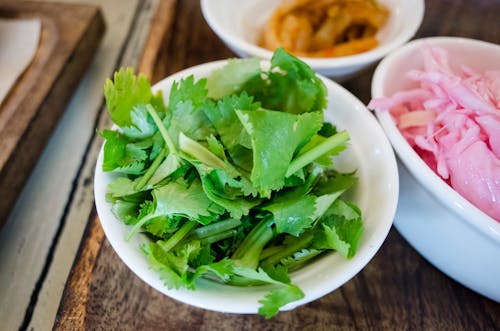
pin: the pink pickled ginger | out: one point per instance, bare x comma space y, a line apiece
452, 120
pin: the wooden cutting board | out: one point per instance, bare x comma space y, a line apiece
397, 290
69, 37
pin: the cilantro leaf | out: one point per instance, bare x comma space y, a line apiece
222, 115
254, 274
290, 86
179, 198
125, 92
278, 298
222, 269
125, 210
279, 273
216, 147
161, 226
275, 138
230, 78
341, 229
185, 113
159, 261
142, 124
226, 192
334, 182
187, 90
292, 214
121, 187
300, 258
123, 155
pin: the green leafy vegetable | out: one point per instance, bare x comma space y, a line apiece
275, 137
290, 86
125, 93
233, 179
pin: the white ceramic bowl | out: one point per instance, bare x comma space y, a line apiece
240, 23
369, 152
440, 224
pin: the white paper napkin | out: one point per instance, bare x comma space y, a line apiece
19, 40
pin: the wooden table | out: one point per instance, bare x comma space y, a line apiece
397, 290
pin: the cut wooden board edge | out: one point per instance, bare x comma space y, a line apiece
48, 113
25, 82
72, 309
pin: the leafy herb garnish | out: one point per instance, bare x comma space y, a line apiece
233, 179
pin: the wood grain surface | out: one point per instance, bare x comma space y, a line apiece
397, 290
69, 37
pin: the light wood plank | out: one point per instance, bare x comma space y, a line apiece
83, 200
30, 230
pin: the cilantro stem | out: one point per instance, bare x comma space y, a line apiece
248, 252
270, 251
199, 151
170, 243
289, 250
137, 226
150, 172
310, 254
219, 236
215, 228
161, 127
312, 154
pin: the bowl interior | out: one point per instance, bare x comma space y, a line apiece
389, 78
369, 153
478, 55
240, 25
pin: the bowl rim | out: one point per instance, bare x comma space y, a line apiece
371, 245
447, 196
406, 33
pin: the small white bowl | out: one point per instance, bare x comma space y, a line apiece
446, 229
369, 153
240, 23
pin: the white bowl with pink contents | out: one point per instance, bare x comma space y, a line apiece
446, 229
